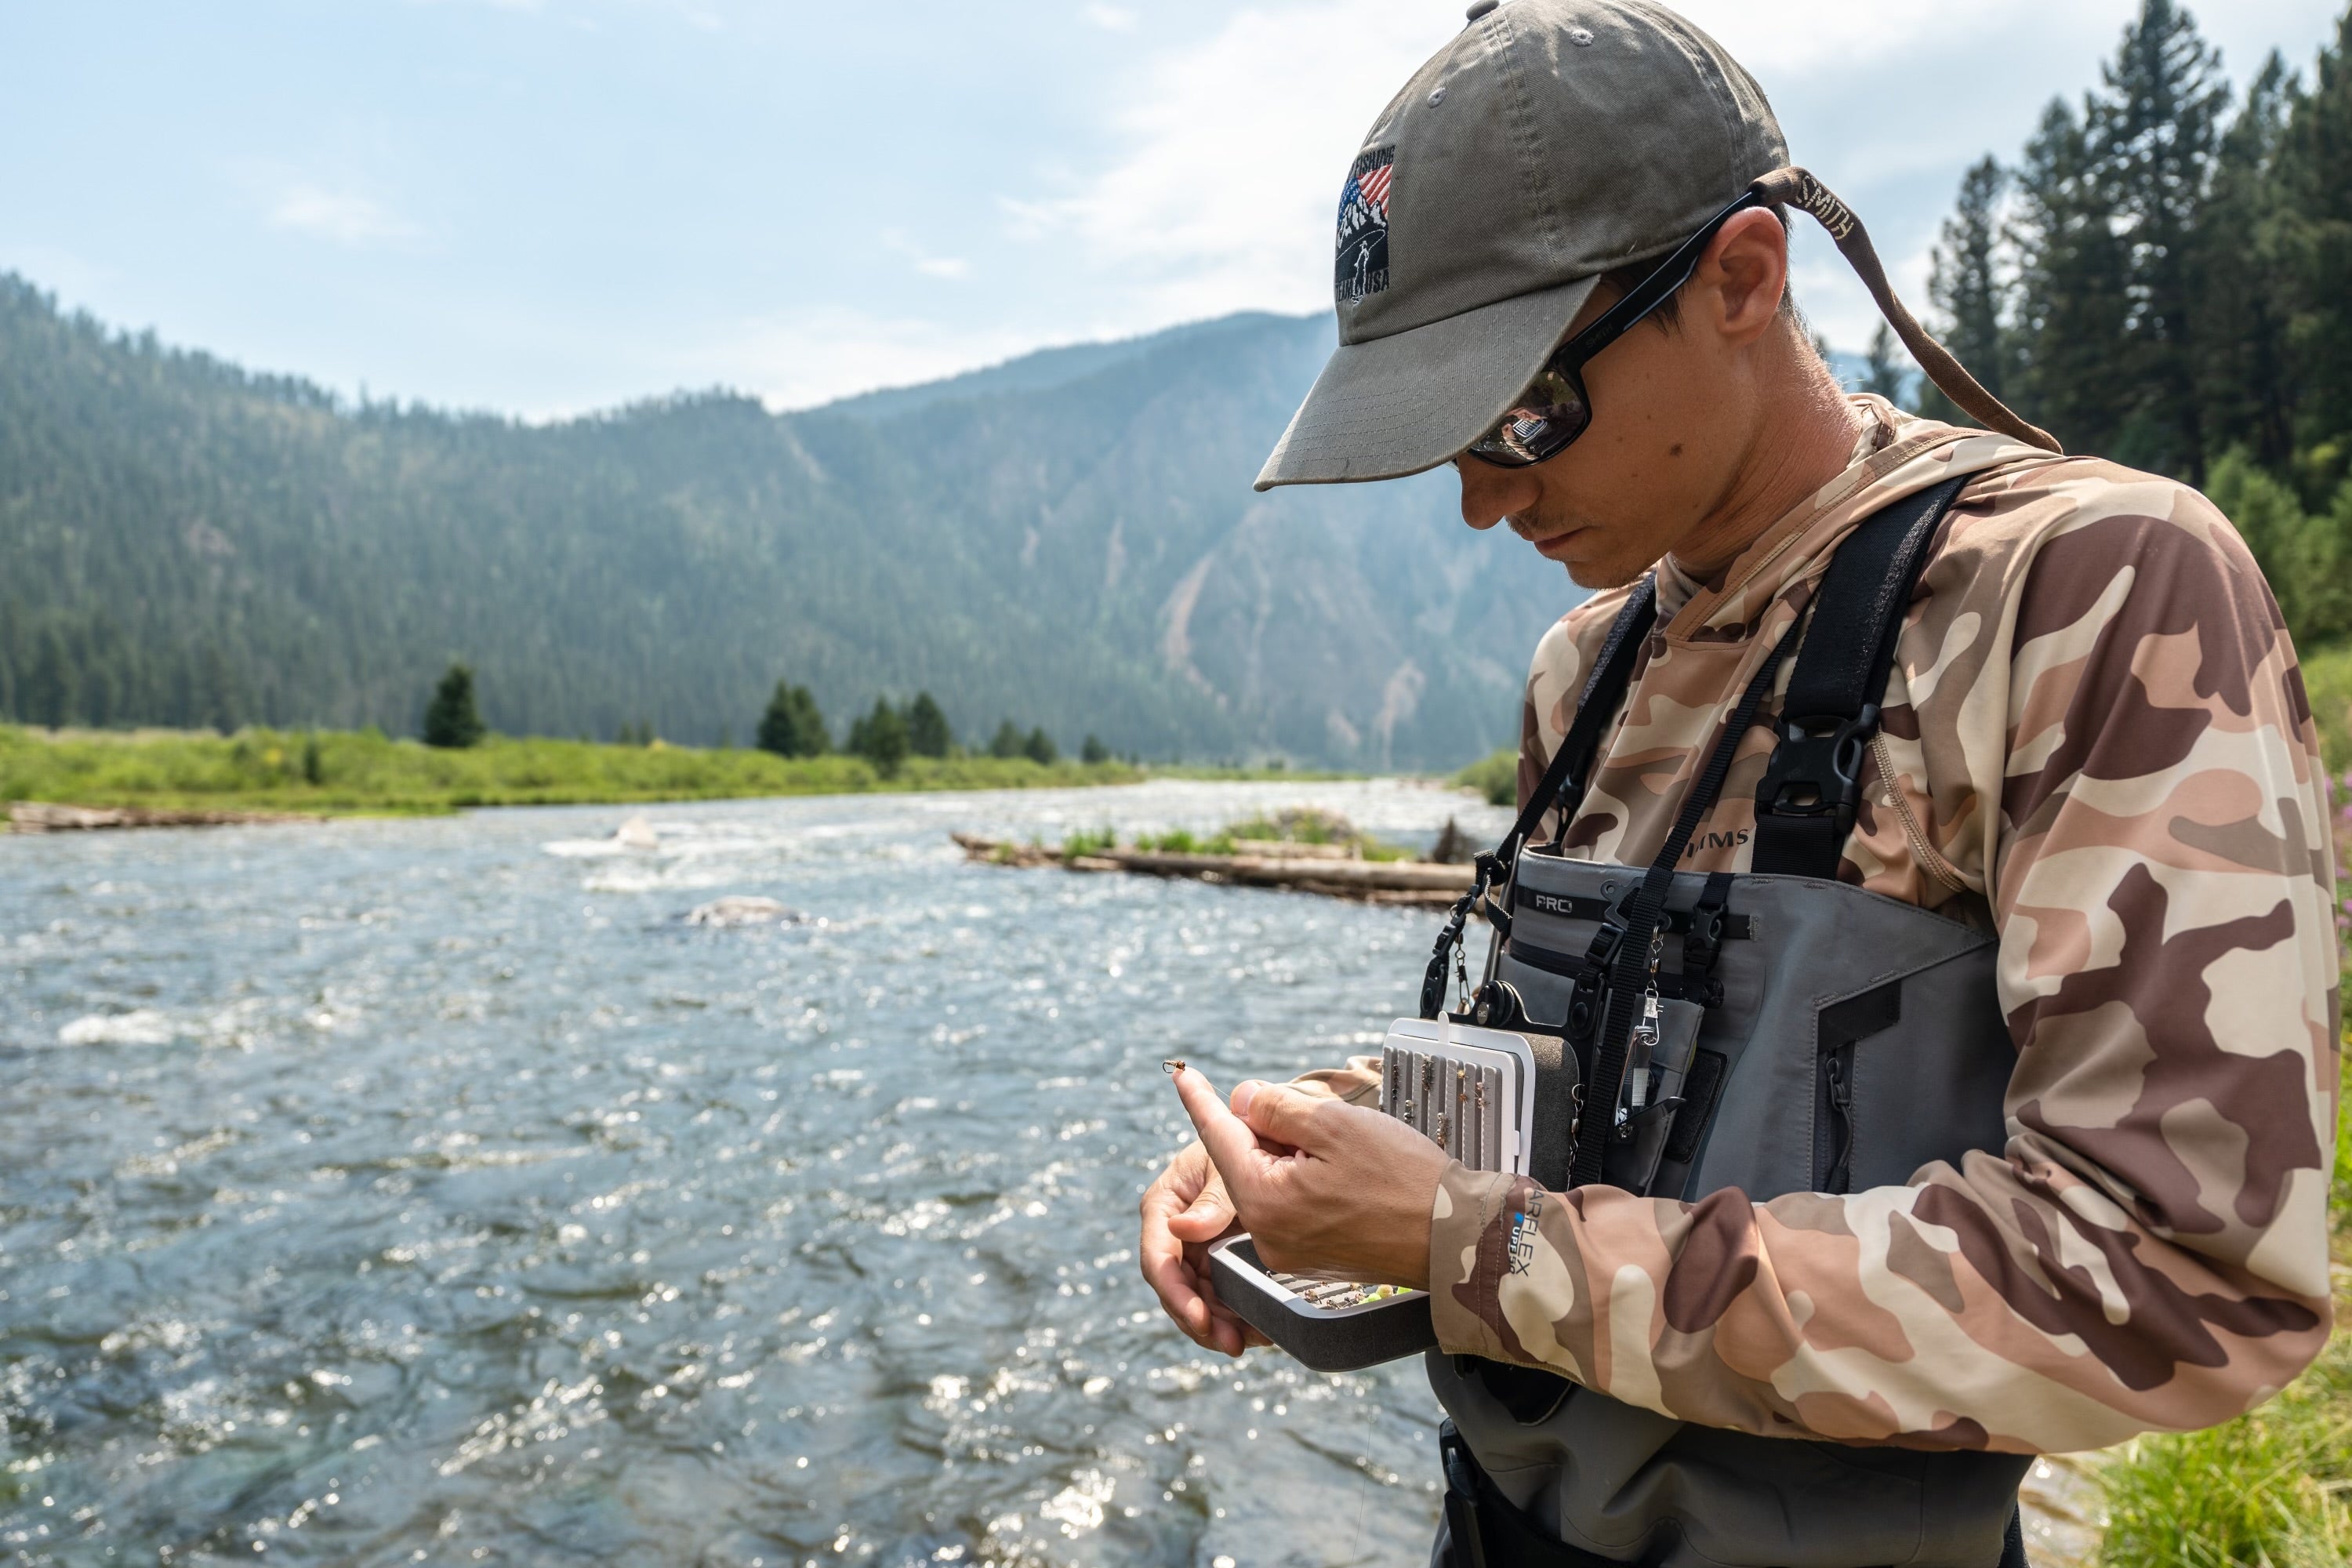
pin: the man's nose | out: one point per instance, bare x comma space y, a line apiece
1490, 494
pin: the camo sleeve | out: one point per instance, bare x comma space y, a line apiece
1358, 1082
2112, 684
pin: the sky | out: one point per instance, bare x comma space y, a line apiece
543, 208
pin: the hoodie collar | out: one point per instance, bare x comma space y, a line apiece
1898, 455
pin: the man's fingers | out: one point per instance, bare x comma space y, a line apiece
1206, 1219
1285, 1115
1229, 1140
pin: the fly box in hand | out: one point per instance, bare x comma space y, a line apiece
1496, 1099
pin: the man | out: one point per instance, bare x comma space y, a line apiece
2093, 742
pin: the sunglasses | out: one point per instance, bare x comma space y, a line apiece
1548, 416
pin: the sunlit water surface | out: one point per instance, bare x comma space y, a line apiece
390, 1191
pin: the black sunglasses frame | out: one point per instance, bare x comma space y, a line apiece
1567, 361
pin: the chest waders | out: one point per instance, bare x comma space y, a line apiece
1775, 1031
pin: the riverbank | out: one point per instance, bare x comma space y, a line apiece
263, 772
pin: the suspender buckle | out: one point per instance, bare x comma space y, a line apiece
1816, 768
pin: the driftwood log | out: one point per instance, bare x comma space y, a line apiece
40, 816
1301, 868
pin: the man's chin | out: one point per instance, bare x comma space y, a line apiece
1601, 575
1562, 548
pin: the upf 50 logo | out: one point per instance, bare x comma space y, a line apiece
1523, 1233
1363, 260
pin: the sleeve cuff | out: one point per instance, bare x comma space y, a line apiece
1467, 1249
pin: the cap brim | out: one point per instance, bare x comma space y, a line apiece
1409, 401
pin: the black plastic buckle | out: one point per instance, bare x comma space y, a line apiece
1816, 768
1703, 940
1461, 1521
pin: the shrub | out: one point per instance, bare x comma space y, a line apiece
1495, 775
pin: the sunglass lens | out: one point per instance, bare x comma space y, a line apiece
1552, 415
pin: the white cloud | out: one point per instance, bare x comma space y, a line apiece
949, 267
1227, 161
1110, 18
1231, 156
343, 217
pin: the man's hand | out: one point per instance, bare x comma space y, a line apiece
1183, 1212
1326, 1189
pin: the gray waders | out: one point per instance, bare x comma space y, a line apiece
1776, 1031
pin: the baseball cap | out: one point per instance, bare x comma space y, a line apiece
1551, 141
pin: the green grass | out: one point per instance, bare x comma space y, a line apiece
1496, 776
2271, 1490
1301, 825
364, 774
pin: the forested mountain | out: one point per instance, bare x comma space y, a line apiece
1070, 540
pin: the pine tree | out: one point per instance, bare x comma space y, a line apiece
2245, 372
2315, 176
928, 734
1007, 743
1093, 751
793, 727
1966, 289
451, 720
2074, 289
880, 736
1039, 748
2152, 136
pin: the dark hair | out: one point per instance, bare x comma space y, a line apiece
1669, 313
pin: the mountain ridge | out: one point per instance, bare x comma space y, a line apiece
1068, 539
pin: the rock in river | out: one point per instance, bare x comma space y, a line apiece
740, 909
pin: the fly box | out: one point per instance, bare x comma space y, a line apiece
1496, 1099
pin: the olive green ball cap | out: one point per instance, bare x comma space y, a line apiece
1549, 142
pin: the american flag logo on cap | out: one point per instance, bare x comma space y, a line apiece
1362, 266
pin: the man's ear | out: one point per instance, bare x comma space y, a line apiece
1742, 279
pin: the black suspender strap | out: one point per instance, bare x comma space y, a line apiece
1571, 766
1561, 786
1809, 786
1628, 955
1805, 807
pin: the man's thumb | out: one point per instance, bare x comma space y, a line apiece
1281, 1114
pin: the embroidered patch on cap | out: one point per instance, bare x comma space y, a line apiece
1363, 262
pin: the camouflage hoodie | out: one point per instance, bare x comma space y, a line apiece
2096, 743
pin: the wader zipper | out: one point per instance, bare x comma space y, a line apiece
1933, 864
1835, 1174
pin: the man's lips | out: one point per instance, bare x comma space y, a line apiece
1554, 546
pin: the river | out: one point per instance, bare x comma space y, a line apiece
431, 1191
